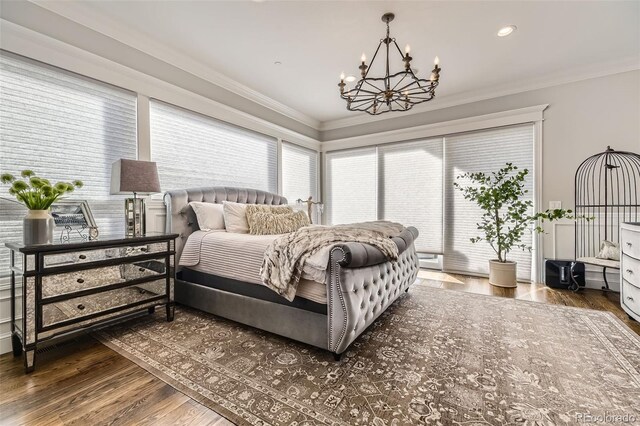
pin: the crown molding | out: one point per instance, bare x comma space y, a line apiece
81, 14
564, 77
31, 44
530, 114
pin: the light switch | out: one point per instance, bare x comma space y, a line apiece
554, 205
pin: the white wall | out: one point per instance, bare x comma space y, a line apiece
582, 119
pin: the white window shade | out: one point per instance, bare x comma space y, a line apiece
299, 172
193, 150
483, 151
63, 127
410, 189
351, 186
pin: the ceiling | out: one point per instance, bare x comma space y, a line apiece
316, 40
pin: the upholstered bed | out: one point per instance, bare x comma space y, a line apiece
360, 282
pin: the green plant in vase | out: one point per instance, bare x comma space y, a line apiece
37, 194
506, 216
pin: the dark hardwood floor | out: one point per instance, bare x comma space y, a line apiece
84, 382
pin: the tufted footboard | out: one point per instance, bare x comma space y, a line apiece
360, 289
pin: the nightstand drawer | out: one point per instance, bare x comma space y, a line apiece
631, 270
630, 242
71, 282
630, 296
79, 257
72, 310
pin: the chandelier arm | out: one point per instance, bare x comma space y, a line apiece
402, 107
359, 101
374, 86
399, 81
365, 91
413, 82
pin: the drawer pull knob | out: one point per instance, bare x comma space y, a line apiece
629, 271
630, 298
81, 306
629, 244
80, 280
82, 256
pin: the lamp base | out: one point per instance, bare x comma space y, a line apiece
134, 217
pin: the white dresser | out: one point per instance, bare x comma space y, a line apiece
630, 269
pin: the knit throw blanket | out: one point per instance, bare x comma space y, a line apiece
285, 257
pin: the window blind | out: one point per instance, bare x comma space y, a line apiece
299, 174
351, 186
63, 126
193, 150
410, 189
483, 151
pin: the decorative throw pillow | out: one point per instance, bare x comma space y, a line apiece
266, 223
252, 209
235, 217
210, 216
609, 250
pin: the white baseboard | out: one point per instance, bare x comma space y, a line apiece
5, 343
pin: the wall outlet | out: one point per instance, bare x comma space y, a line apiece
554, 205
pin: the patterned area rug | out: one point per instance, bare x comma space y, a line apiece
435, 357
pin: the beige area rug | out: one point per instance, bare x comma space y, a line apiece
434, 357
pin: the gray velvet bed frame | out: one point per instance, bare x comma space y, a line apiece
361, 284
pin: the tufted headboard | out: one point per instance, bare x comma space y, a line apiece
181, 218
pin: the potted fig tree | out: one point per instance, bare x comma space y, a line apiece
506, 216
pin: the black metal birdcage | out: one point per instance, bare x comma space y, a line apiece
606, 194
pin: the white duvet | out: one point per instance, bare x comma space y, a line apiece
240, 256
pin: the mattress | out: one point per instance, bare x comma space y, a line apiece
239, 257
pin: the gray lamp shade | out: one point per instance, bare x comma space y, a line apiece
129, 176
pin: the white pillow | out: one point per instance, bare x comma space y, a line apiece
609, 250
210, 215
235, 217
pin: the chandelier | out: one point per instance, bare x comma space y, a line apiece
393, 92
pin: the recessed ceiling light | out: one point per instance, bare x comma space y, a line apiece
505, 31
350, 78
277, 63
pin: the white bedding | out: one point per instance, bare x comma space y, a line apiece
239, 257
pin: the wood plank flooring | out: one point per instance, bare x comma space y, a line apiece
84, 382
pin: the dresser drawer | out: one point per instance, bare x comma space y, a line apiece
630, 242
630, 270
52, 260
71, 282
60, 313
630, 296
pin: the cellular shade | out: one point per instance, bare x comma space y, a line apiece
410, 189
483, 151
62, 126
352, 193
192, 150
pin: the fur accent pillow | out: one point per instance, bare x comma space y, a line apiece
236, 215
609, 250
267, 223
252, 209
210, 216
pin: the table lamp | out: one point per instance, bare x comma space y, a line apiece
139, 178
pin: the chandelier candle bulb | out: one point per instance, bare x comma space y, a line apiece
407, 49
436, 61
363, 58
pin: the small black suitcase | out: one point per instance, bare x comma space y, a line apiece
566, 274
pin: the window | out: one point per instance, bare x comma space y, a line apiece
410, 189
193, 150
62, 126
398, 182
352, 192
482, 151
299, 172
